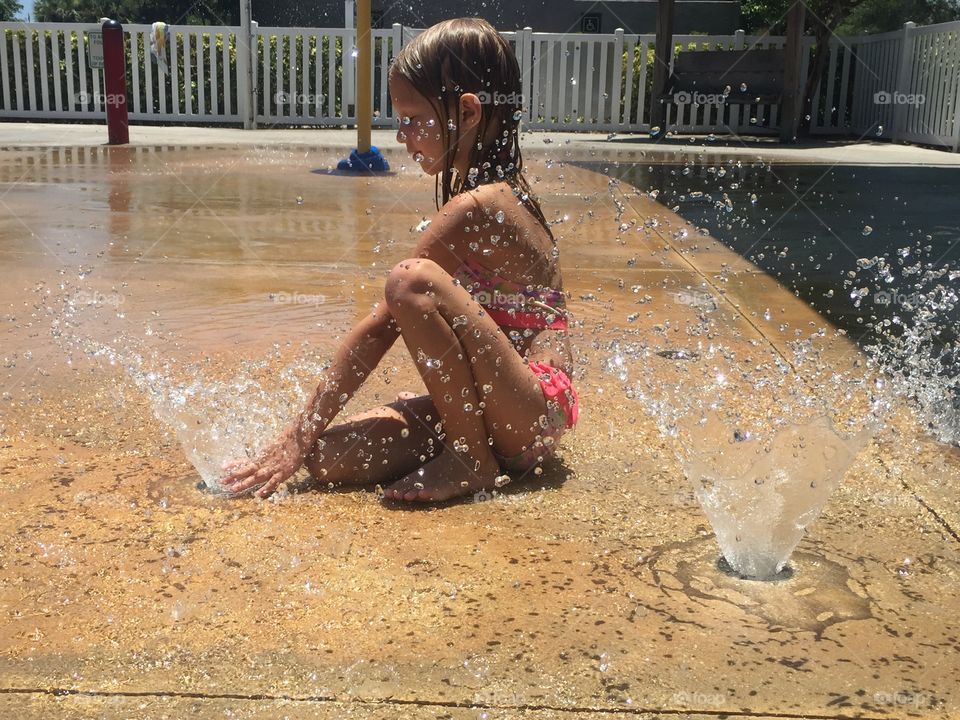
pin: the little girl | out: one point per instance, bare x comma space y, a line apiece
478, 303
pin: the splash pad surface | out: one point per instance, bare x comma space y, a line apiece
592, 590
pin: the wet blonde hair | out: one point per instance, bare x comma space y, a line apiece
467, 55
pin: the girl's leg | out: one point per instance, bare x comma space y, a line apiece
378, 446
465, 360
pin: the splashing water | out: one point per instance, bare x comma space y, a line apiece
917, 344
899, 306
214, 418
220, 420
764, 439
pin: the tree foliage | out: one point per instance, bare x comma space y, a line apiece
9, 10
847, 17
199, 12
880, 16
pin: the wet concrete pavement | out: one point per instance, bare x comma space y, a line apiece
590, 591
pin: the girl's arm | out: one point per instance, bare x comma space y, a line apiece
358, 355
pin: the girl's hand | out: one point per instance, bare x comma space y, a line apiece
276, 463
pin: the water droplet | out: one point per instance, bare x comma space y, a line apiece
418, 156
867, 230
518, 115
500, 217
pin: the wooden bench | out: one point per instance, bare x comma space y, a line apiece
711, 72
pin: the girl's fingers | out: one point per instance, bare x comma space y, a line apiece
245, 478
270, 485
239, 474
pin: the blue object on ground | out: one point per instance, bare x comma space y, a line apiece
370, 161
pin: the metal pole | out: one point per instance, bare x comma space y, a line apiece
364, 76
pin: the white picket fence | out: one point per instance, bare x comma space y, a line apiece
305, 76
904, 85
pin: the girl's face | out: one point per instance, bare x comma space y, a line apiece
419, 126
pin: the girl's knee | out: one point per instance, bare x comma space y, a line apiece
412, 280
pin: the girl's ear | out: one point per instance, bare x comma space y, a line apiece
470, 111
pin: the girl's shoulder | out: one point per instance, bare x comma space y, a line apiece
500, 206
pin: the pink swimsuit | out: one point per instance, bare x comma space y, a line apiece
517, 306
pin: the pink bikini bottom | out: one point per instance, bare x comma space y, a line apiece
563, 407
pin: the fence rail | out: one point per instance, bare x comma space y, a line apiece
902, 85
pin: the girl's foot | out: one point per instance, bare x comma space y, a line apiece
446, 476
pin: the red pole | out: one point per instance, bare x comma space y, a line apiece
115, 83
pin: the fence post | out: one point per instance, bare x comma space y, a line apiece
735, 119
903, 79
348, 59
956, 118
618, 76
525, 46
397, 40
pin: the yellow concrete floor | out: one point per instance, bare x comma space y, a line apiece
590, 591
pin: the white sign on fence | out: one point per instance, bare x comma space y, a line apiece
95, 49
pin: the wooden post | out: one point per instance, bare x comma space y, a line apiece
364, 73
662, 56
792, 102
